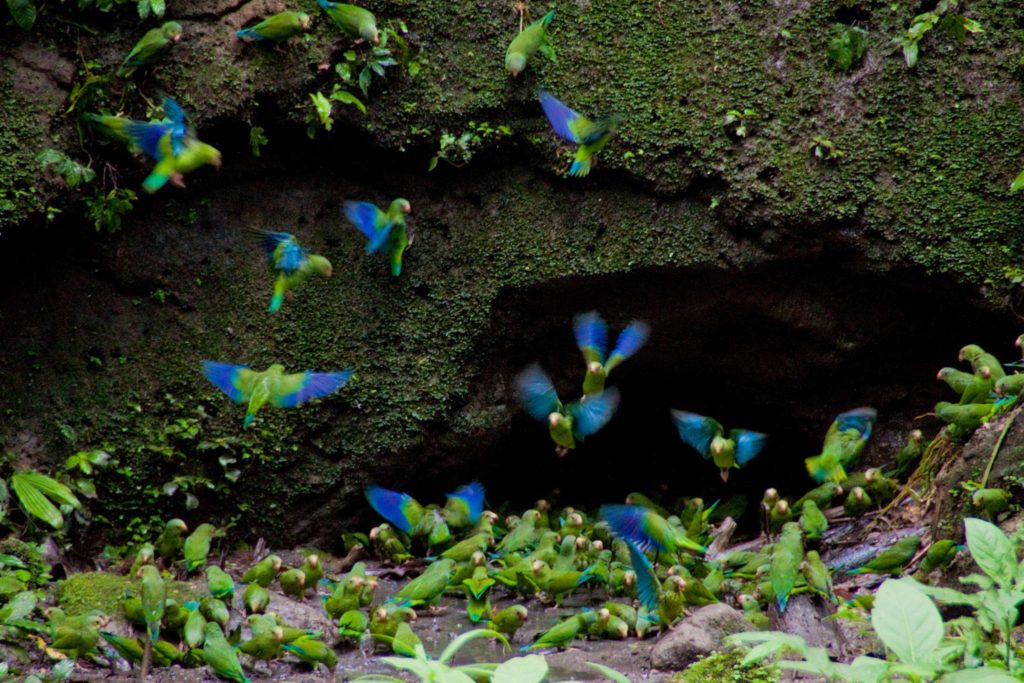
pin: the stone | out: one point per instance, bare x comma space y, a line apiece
698, 635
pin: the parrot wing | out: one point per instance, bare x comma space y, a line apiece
392, 506
629, 342
234, 380
472, 495
696, 430
646, 580
748, 444
284, 251
566, 122
536, 393
861, 419
591, 336
591, 415
300, 387
628, 522
371, 221
149, 137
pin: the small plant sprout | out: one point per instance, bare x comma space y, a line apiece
737, 122
825, 149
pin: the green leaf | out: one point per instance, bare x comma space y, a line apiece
143, 8
34, 502
910, 53
467, 637
982, 675
345, 97
528, 669
365, 78
53, 489
19, 607
23, 11
608, 672
907, 622
86, 487
158, 7
991, 550
323, 109
1017, 183
414, 69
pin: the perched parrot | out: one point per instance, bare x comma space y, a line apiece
386, 232
817, 576
647, 530
278, 28
559, 584
388, 544
1010, 385
957, 380
175, 617
939, 555
822, 495
264, 646
980, 388
143, 556
464, 506
523, 536
591, 136
708, 438
256, 599
779, 515
562, 633
220, 656
509, 620
608, 626
892, 559
406, 643
531, 39
384, 621
622, 611
292, 263
966, 418
353, 624
478, 587
150, 46
197, 546
857, 502
991, 501
401, 509
214, 609
426, 589
263, 572
171, 539
844, 443
220, 584
592, 339
148, 137
355, 21
881, 488
570, 423
978, 358
813, 522
293, 583
908, 456
787, 556
76, 636
313, 570
752, 611
154, 594
243, 385
195, 627
172, 166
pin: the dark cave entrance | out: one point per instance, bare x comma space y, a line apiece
781, 348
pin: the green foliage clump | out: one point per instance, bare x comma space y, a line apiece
957, 26
86, 591
459, 150
726, 666
847, 46
107, 210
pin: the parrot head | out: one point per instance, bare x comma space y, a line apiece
724, 474
177, 524
1019, 342
515, 63
597, 545
400, 204
304, 21
172, 31
477, 559
857, 493
278, 634
596, 368
321, 264
314, 560
603, 615
770, 496
629, 579
368, 32
969, 352
554, 418
917, 435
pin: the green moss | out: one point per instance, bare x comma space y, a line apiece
725, 666
21, 139
103, 591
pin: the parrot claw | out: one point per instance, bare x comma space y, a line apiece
178, 180
561, 451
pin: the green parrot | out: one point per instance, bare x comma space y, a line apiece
566, 559
353, 624
277, 28
694, 590
426, 589
939, 555
175, 617
195, 627
893, 559
908, 456
1010, 385
292, 263
256, 599
197, 546
220, 656
707, 437
132, 650
313, 570
76, 636
857, 502
263, 572
779, 515
991, 501
385, 619
817, 576
312, 651
149, 47
386, 232
406, 643
567, 424
169, 542
980, 389
524, 535
509, 620
752, 611
243, 385
787, 556
957, 380
173, 165
608, 626
647, 530
623, 611
768, 501
388, 544
562, 633
813, 522
881, 488
966, 418
143, 556
354, 21
346, 596
844, 442
464, 549
640, 499
978, 358
220, 584
822, 495
154, 594
293, 583
558, 584
215, 610
531, 39
477, 587
264, 646
591, 136
591, 334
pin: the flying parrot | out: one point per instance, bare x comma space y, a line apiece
401, 509
531, 39
243, 385
592, 339
844, 443
464, 506
173, 165
147, 137
355, 21
647, 529
278, 28
292, 263
708, 438
150, 46
386, 232
591, 136
567, 424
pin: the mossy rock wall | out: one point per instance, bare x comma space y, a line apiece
104, 333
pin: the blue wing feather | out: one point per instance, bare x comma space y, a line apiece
646, 580
223, 375
315, 385
861, 419
390, 505
146, 136
379, 239
367, 217
696, 430
630, 340
472, 494
627, 521
592, 413
591, 333
290, 258
535, 392
748, 444
565, 121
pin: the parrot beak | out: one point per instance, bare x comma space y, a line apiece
177, 38
1019, 341
725, 475
594, 367
917, 434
